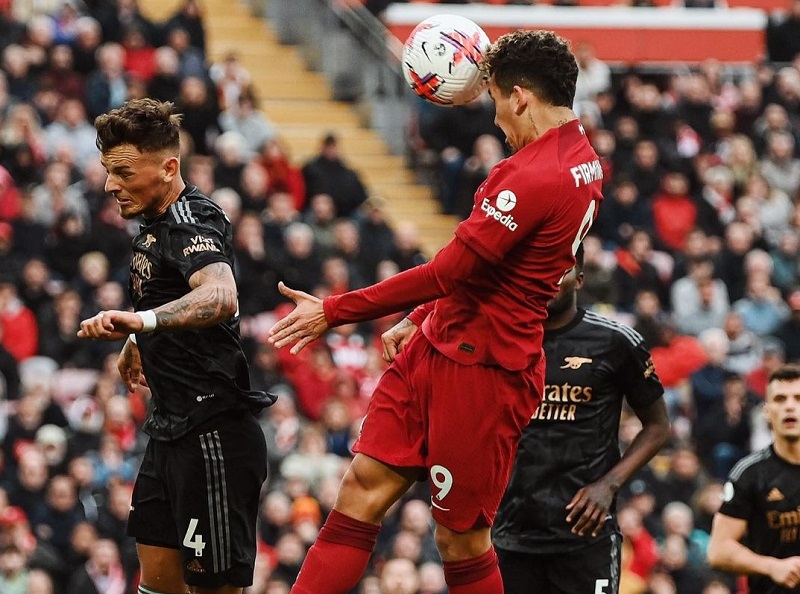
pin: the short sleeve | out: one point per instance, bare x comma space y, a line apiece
637, 374
737, 500
196, 238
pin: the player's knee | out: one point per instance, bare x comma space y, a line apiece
459, 546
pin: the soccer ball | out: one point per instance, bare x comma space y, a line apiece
441, 60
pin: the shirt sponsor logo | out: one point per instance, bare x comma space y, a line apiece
200, 244
574, 362
506, 200
506, 220
586, 173
775, 495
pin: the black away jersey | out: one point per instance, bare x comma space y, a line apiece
572, 439
764, 490
192, 374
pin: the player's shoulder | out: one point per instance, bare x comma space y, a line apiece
194, 208
616, 331
750, 463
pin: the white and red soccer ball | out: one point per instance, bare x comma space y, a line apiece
442, 57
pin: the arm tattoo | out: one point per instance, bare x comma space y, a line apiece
211, 300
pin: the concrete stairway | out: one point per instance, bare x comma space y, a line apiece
299, 103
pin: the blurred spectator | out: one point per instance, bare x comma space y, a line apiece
723, 435
623, 212
707, 381
200, 113
54, 521
311, 462
783, 33
140, 55
486, 153
399, 576
20, 329
191, 60
773, 355
328, 174
699, 301
101, 574
744, 346
634, 271
594, 75
762, 308
165, 84
190, 18
61, 74
107, 85
231, 80
282, 174
244, 117
789, 330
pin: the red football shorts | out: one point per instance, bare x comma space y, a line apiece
460, 422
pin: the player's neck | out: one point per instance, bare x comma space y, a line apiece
547, 118
787, 450
560, 320
175, 191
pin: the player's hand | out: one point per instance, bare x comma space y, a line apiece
304, 325
129, 365
785, 572
111, 325
589, 508
396, 338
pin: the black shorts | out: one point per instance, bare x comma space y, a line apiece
592, 570
200, 494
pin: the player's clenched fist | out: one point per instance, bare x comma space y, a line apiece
111, 325
786, 572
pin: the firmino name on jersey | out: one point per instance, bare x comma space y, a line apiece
506, 220
586, 173
200, 244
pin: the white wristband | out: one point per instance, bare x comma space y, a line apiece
132, 338
148, 319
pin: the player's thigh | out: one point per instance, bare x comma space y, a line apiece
523, 573
151, 520
394, 430
216, 476
591, 570
161, 568
476, 415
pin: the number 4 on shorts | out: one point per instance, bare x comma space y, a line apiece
195, 543
600, 586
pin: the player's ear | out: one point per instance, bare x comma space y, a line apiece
172, 168
578, 280
518, 100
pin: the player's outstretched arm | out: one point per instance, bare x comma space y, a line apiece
727, 553
212, 300
591, 505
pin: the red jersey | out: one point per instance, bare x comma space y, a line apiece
495, 278
529, 217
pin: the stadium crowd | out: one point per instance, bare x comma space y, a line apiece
696, 246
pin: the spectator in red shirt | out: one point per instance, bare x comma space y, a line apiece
20, 334
674, 211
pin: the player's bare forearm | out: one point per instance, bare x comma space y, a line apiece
647, 443
212, 300
732, 556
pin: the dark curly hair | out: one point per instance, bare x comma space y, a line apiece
147, 124
540, 61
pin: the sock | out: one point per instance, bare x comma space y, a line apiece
338, 558
480, 575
